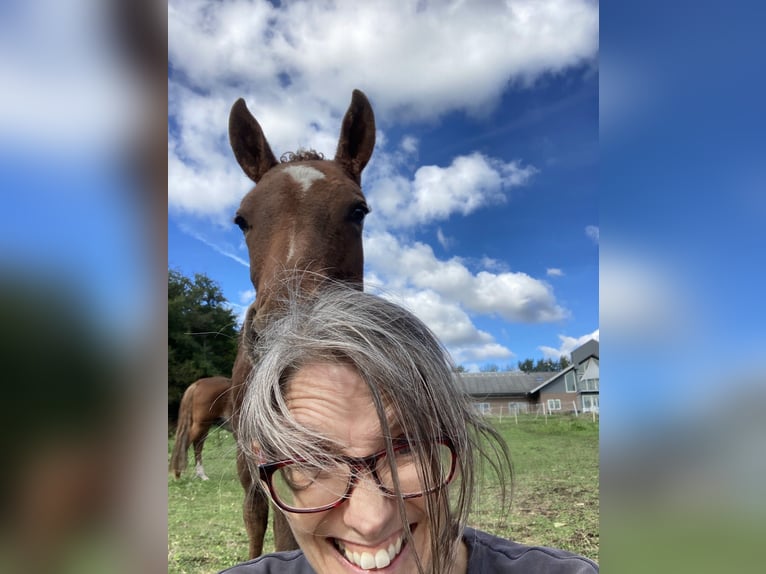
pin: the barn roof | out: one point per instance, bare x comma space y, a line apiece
500, 383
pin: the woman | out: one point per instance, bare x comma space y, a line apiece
359, 436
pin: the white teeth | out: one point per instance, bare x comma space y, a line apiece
382, 559
369, 561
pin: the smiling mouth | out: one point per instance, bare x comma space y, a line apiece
374, 559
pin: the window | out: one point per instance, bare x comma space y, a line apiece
554, 405
589, 403
569, 382
589, 385
483, 408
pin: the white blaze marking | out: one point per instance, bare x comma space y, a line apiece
291, 247
304, 175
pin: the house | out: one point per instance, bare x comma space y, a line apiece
575, 389
501, 392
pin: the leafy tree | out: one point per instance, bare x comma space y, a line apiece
489, 368
543, 365
202, 333
458, 369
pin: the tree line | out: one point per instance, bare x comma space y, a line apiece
525, 366
202, 334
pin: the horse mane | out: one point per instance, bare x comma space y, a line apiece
300, 155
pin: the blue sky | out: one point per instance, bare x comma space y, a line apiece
497, 127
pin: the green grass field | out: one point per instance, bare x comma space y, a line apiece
555, 497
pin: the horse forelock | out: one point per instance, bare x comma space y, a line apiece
300, 155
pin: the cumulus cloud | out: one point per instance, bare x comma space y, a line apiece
420, 60
435, 193
451, 324
513, 296
554, 272
568, 344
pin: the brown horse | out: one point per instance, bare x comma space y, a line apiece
305, 214
205, 402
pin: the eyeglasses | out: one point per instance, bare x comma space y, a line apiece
300, 487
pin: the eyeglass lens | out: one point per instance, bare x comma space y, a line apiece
301, 486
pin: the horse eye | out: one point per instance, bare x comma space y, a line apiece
242, 223
358, 214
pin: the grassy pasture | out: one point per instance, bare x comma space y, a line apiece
554, 503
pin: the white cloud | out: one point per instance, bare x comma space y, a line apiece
419, 59
467, 184
409, 144
554, 272
491, 264
592, 232
512, 296
568, 344
451, 324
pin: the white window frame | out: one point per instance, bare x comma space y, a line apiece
556, 405
589, 385
570, 382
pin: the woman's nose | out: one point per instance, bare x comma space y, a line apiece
369, 510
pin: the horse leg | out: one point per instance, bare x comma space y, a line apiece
283, 534
199, 434
255, 509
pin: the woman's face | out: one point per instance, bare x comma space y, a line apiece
366, 531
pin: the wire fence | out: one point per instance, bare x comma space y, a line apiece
516, 410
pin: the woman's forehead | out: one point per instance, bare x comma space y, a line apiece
333, 400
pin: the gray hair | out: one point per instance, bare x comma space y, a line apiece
408, 372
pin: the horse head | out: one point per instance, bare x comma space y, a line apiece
305, 214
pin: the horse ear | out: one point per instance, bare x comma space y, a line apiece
248, 142
357, 136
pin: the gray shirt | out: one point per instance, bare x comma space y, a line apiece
487, 554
